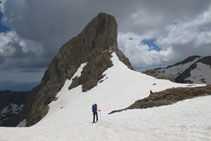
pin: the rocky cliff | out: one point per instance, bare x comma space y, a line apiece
93, 46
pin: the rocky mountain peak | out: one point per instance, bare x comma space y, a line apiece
100, 33
93, 46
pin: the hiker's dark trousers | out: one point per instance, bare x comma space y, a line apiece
95, 115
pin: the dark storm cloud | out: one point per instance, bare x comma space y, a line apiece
1, 59
15, 55
52, 23
44, 25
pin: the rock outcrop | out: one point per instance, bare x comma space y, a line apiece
93, 46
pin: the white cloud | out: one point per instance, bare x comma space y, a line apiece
2, 5
197, 30
177, 41
10, 40
139, 54
5, 40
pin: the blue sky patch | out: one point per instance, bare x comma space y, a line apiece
2, 27
151, 43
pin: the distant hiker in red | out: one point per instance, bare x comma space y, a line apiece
151, 92
94, 110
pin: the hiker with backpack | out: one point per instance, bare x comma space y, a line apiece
94, 111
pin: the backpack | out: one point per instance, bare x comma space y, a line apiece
94, 108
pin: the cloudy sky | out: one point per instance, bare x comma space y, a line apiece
152, 33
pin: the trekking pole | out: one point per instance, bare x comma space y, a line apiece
91, 116
100, 116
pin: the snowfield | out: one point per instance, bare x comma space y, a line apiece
178, 69
201, 73
70, 116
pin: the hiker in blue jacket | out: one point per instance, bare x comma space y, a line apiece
94, 110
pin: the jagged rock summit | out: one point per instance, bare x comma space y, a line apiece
92, 46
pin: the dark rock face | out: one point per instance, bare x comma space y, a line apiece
94, 46
11, 107
93, 71
206, 60
159, 76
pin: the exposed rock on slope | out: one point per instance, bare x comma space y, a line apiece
157, 75
93, 46
92, 74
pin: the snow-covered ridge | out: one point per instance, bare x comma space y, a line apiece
177, 69
70, 116
202, 73
194, 69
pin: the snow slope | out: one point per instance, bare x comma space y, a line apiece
70, 116
194, 69
178, 69
201, 73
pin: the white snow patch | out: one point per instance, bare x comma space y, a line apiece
5, 110
15, 108
63, 97
22, 123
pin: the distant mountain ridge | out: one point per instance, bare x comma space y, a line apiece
11, 107
194, 69
17, 86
